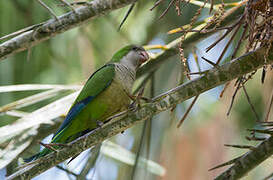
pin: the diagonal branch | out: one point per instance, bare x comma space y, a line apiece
53, 27
213, 78
249, 160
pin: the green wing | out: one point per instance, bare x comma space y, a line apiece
97, 83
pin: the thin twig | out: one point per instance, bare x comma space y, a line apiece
233, 98
139, 150
21, 31
166, 10
76, 3
220, 39
239, 42
126, 15
226, 33
68, 4
156, 4
48, 9
211, 5
209, 61
261, 131
263, 74
145, 128
200, 73
187, 112
150, 121
251, 105
227, 45
29, 54
224, 89
195, 56
269, 107
266, 123
48, 146
226, 163
240, 146
254, 138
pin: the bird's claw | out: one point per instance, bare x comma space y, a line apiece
146, 99
136, 100
99, 123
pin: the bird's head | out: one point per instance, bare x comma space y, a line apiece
131, 55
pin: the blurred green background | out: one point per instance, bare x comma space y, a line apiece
71, 57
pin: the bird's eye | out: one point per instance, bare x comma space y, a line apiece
134, 48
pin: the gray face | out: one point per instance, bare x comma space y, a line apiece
137, 56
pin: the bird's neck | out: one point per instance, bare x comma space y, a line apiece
129, 64
126, 69
125, 76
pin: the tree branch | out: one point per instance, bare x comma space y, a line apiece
249, 161
213, 78
53, 27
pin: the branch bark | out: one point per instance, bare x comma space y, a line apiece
52, 27
249, 161
213, 78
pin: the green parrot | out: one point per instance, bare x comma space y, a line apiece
105, 93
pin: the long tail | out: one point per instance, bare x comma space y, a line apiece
44, 152
59, 138
32, 158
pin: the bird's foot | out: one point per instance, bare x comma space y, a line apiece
136, 99
99, 123
132, 106
146, 99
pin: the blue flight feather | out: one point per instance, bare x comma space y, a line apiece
79, 106
73, 112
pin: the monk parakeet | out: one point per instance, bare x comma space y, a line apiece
105, 93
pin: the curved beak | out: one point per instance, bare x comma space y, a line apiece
144, 56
